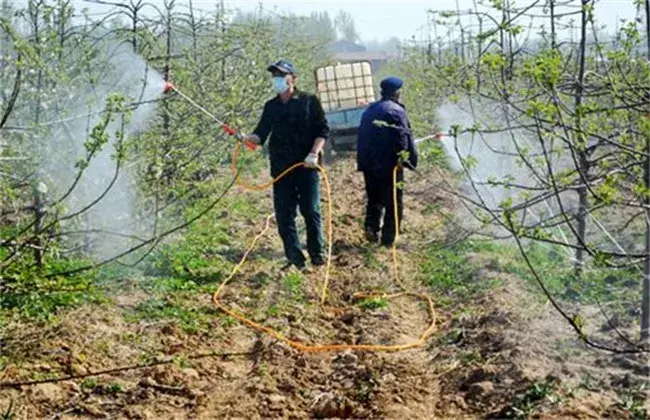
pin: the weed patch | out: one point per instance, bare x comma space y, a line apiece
191, 320
374, 303
554, 266
27, 292
292, 284
371, 260
447, 272
633, 401
525, 404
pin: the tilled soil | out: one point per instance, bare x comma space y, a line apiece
474, 366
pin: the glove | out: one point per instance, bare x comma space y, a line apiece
250, 144
311, 161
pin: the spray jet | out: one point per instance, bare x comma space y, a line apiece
437, 136
168, 87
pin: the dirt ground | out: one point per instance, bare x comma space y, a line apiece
503, 355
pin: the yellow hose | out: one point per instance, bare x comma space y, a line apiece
312, 348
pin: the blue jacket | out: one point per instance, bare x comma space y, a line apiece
378, 147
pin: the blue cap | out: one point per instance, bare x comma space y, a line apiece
391, 84
282, 66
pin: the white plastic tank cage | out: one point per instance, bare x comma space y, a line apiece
345, 85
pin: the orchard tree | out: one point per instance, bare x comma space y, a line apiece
567, 124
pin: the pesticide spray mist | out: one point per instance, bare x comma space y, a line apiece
494, 154
498, 156
108, 195
497, 173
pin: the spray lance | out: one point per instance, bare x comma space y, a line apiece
168, 87
437, 136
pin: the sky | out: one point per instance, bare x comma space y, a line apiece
382, 19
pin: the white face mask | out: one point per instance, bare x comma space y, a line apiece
280, 84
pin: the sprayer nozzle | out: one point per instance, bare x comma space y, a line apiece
168, 86
439, 136
228, 130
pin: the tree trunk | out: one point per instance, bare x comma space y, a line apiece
645, 306
583, 163
34, 13
479, 47
166, 149
134, 30
195, 47
223, 36
502, 43
435, 36
462, 33
553, 34
511, 49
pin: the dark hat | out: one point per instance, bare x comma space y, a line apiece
282, 66
391, 84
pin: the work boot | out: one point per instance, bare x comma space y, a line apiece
372, 237
300, 265
387, 240
318, 261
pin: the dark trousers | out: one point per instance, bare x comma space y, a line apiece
299, 189
379, 199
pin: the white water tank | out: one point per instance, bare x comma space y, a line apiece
346, 85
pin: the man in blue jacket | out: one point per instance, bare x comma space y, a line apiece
384, 141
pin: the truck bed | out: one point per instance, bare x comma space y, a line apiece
344, 124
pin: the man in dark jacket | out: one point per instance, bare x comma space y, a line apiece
384, 141
298, 129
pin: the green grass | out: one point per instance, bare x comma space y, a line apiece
114, 388
89, 383
273, 311
191, 258
292, 283
169, 284
371, 261
555, 268
228, 322
31, 294
633, 403
447, 272
179, 286
194, 262
40, 299
191, 320
93, 385
45, 306
374, 303
525, 404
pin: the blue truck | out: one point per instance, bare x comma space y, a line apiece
344, 125
345, 91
